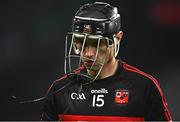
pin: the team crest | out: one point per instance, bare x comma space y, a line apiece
87, 29
121, 96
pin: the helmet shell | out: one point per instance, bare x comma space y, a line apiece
101, 18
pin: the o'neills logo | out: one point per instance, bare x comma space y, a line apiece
102, 90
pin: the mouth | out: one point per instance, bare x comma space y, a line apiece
88, 63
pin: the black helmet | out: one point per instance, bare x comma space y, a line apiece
101, 17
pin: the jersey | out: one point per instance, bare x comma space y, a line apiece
128, 95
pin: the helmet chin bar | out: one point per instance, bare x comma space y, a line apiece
74, 57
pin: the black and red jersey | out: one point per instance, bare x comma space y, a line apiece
128, 95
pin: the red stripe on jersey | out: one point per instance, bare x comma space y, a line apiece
98, 118
133, 69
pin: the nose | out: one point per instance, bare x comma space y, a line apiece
89, 51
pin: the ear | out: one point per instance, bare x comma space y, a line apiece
118, 37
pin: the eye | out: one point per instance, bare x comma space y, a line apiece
96, 42
88, 40
104, 42
92, 42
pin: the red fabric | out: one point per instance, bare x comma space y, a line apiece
98, 118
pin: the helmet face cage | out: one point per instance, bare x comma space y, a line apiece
74, 49
95, 25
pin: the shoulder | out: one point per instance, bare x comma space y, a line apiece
145, 82
140, 78
157, 108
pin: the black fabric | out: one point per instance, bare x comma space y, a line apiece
144, 98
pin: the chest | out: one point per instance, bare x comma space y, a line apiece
118, 98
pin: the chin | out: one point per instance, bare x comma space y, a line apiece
94, 68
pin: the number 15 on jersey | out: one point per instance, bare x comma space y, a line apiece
98, 100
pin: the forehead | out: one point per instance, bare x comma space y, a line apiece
90, 39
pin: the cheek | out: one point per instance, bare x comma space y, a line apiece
104, 53
108, 54
103, 50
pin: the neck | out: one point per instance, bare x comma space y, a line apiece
109, 68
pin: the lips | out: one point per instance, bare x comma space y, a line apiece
89, 63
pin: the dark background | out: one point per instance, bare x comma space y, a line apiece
32, 35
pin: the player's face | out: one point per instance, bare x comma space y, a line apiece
94, 52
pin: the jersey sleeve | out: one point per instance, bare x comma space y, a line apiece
156, 108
